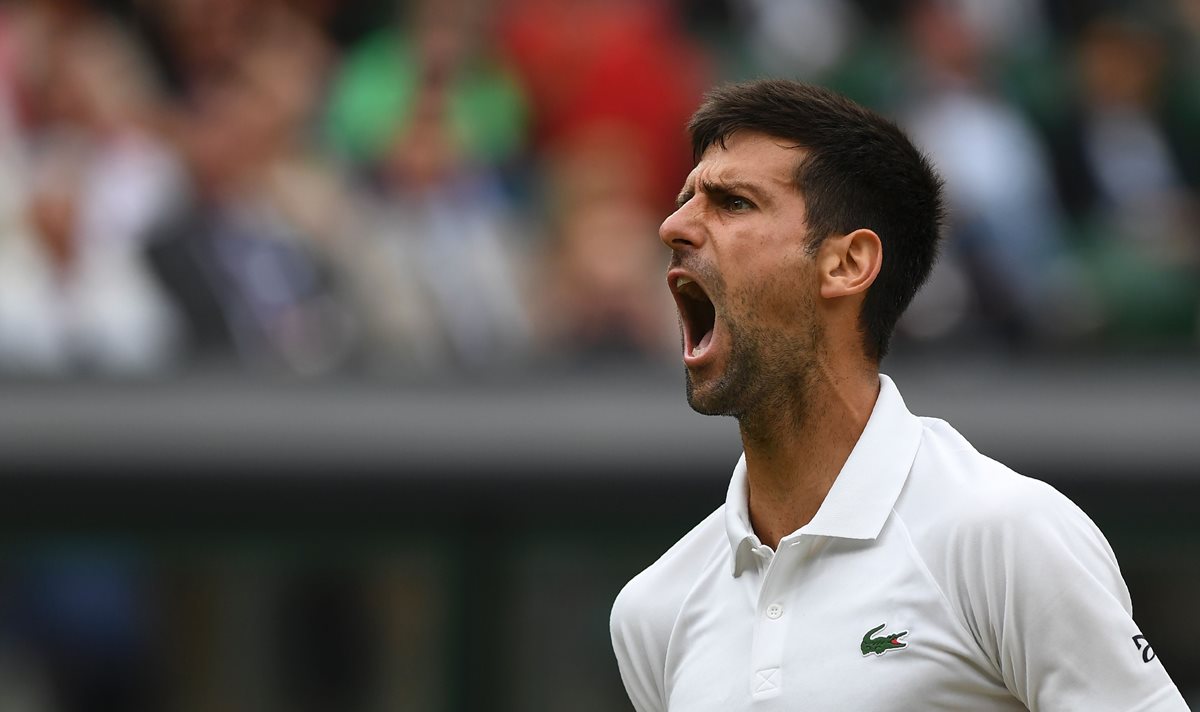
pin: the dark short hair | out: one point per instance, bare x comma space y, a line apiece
860, 171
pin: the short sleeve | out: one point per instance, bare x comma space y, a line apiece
1041, 592
639, 652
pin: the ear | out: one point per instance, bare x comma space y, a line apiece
849, 263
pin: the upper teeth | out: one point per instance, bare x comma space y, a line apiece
682, 281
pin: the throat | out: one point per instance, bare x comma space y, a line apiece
769, 426
784, 500
793, 458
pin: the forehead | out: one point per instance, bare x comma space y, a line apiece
754, 157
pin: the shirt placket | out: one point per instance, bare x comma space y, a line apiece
773, 612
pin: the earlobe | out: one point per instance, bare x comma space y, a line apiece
850, 263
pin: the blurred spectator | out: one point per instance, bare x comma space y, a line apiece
243, 256
1005, 226
73, 289
385, 79
202, 41
437, 260
624, 65
432, 195
87, 626
601, 295
800, 39
1002, 27
434, 260
612, 85
1131, 168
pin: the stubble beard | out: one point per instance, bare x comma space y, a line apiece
770, 372
767, 380
729, 393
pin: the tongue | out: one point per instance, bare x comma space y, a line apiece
704, 342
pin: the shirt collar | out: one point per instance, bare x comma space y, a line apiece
864, 492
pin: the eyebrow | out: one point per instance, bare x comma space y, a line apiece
721, 188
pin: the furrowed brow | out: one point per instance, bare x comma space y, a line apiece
720, 189
731, 187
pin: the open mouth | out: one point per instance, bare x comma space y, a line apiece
697, 314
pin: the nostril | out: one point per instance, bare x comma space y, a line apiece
676, 236
679, 243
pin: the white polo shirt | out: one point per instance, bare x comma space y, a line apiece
931, 578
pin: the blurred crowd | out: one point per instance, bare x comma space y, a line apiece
313, 187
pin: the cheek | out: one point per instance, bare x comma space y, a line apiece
781, 295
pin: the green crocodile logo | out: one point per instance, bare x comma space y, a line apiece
884, 643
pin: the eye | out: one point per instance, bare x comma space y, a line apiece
736, 204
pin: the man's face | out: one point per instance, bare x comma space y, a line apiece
742, 279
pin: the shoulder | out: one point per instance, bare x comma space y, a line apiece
952, 487
644, 613
973, 520
1024, 570
657, 593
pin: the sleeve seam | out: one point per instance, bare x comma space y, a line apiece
668, 647
945, 601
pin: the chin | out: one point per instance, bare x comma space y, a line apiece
710, 397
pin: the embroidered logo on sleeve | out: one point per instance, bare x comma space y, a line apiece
883, 643
1144, 645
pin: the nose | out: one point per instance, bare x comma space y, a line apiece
681, 230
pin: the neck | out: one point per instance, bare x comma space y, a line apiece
796, 445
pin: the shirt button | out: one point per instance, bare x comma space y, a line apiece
774, 611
